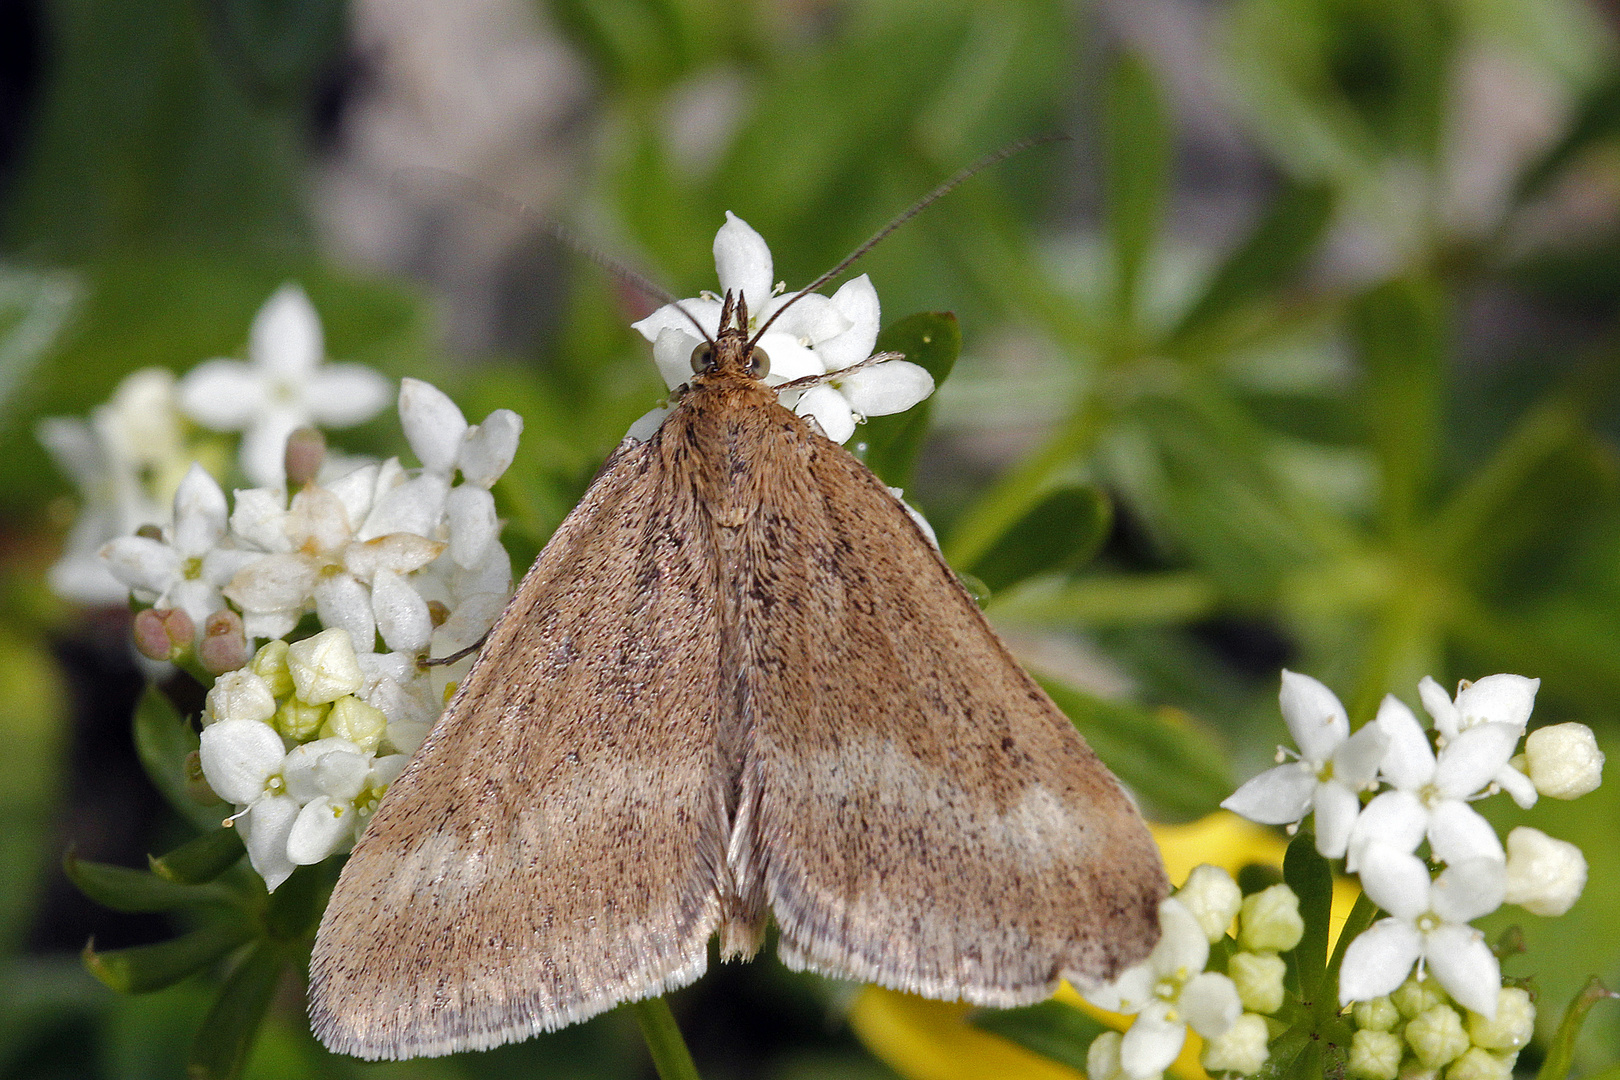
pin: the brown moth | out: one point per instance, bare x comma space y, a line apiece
739, 683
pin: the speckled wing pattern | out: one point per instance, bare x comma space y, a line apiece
554, 846
915, 810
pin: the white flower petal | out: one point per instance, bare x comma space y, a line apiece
286, 335
1395, 880
412, 507
320, 831
1152, 1042
241, 695
828, 408
1356, 761
743, 262
488, 449
258, 519
332, 766
672, 354
402, 614
268, 624
238, 757
343, 395
265, 828
1314, 716
648, 424
470, 511
263, 453
857, 301
1517, 785
355, 490
199, 513
890, 387
1438, 704
1378, 960
433, 424
674, 316
274, 583
1409, 761
1210, 1004
1502, 699
812, 319
1130, 991
1457, 832
341, 602
225, 395
401, 552
1278, 796
1183, 945
1473, 757
142, 563
1336, 809
1469, 889
790, 358
1465, 966
1395, 818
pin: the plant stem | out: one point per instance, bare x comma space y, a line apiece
669, 1053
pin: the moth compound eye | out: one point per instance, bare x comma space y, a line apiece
703, 359
759, 365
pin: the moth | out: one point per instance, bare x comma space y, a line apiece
739, 684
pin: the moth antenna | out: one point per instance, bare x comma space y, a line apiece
945, 188
499, 201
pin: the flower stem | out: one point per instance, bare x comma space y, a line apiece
669, 1053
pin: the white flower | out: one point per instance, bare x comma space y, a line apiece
1431, 793
816, 336
324, 667
1213, 898
1333, 768
444, 443
1564, 760
1428, 923
1169, 992
187, 568
1544, 875
242, 760
1495, 699
282, 387
127, 461
239, 695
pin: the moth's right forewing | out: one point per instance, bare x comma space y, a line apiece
554, 847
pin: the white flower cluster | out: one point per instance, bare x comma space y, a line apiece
817, 336
129, 458
1424, 796
395, 564
1170, 991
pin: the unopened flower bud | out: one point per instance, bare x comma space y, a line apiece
1102, 1057
1545, 875
1213, 898
1259, 979
270, 664
240, 695
1477, 1063
352, 719
324, 667
163, 633
1436, 1036
1377, 1014
1270, 920
299, 720
224, 646
1241, 1048
1564, 760
1375, 1055
1417, 995
306, 449
1514, 1024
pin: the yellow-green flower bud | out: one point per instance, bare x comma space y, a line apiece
1477, 1063
1417, 995
1379, 1014
1241, 1048
1270, 920
1514, 1024
356, 721
270, 664
300, 721
1375, 1055
1259, 979
324, 667
1436, 1036
1213, 898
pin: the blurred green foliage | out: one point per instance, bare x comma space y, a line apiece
1237, 455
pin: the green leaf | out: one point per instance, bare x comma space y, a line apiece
1052, 1029
152, 967
200, 860
1059, 534
1561, 1054
164, 740
1137, 131
123, 889
889, 444
1273, 253
1172, 765
225, 1037
1399, 334
1308, 874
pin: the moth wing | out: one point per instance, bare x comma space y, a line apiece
915, 810
554, 846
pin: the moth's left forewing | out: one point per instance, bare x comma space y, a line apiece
915, 810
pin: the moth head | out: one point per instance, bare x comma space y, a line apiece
704, 362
